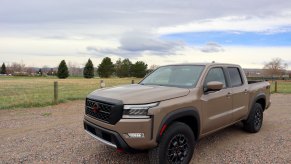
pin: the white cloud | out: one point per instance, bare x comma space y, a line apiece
267, 24
247, 57
45, 31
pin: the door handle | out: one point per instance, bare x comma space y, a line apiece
246, 91
228, 95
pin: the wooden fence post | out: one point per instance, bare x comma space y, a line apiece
132, 81
276, 86
102, 84
55, 92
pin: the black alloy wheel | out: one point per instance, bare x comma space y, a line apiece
177, 149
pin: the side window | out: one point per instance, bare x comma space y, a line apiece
235, 76
215, 74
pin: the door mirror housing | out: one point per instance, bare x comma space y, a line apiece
214, 86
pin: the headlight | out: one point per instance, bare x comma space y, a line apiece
137, 111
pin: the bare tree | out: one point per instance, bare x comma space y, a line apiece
153, 67
275, 67
74, 69
17, 67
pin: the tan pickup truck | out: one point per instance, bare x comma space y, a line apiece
173, 107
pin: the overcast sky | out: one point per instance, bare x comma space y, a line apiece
246, 32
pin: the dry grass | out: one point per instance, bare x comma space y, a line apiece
19, 92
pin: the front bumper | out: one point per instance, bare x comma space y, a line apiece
116, 135
107, 137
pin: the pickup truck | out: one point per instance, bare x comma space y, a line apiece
173, 107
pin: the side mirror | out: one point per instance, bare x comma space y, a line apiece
214, 86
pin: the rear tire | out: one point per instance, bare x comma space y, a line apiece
176, 145
254, 122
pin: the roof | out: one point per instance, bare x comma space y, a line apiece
206, 64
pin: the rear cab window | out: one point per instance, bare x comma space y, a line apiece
235, 76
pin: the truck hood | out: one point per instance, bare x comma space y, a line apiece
139, 94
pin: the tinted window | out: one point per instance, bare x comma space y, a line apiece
235, 77
215, 74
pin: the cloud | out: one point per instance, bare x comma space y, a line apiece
263, 24
133, 44
211, 47
34, 17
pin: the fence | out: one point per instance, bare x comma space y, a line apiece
19, 92
281, 86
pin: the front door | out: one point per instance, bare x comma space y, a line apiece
217, 106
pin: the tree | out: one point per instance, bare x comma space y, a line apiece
139, 69
275, 67
3, 69
63, 70
106, 68
89, 69
123, 68
152, 68
17, 67
75, 69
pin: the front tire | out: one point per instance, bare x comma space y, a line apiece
255, 120
176, 145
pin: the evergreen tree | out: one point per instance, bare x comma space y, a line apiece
3, 69
88, 70
106, 68
139, 69
63, 71
123, 68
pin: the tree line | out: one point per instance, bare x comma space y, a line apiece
121, 68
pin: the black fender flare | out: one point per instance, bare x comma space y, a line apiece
180, 113
259, 96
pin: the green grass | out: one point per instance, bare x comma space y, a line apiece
23, 92
282, 87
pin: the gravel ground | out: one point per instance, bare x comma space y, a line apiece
55, 135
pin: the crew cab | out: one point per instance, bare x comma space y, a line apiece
173, 107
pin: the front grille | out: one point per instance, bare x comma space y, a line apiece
105, 112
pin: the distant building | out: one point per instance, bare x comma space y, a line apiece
263, 73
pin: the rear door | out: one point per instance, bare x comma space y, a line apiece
217, 106
240, 94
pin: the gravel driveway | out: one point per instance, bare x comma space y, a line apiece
55, 135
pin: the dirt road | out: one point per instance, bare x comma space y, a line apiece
55, 135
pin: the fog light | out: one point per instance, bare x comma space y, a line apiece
135, 135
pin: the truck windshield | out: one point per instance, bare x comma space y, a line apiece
175, 75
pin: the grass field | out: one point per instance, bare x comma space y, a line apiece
19, 92
283, 87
